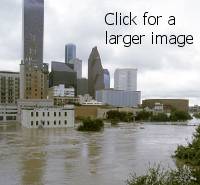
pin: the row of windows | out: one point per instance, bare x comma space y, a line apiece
8, 118
48, 123
48, 114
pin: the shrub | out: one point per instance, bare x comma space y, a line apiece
159, 176
191, 153
196, 115
160, 117
117, 116
180, 116
143, 116
89, 124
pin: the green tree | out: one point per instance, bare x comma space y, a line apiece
89, 124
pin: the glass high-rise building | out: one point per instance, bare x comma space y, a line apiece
70, 52
33, 30
95, 73
76, 65
33, 72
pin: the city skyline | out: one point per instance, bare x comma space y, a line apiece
158, 74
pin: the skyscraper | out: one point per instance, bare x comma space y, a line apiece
76, 65
106, 78
33, 30
95, 73
33, 72
125, 79
70, 52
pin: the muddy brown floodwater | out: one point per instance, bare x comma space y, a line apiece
68, 157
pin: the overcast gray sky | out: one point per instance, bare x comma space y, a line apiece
163, 71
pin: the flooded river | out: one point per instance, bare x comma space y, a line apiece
68, 157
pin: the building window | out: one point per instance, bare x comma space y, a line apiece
43, 113
65, 122
54, 114
43, 123
59, 122
31, 114
59, 113
48, 114
37, 114
65, 113
54, 122
31, 123
36, 123
47, 122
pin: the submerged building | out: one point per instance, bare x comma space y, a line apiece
95, 73
48, 117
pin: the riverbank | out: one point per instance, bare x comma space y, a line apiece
186, 173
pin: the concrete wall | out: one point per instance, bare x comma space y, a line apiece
86, 111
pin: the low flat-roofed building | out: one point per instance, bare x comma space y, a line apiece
47, 117
119, 98
168, 104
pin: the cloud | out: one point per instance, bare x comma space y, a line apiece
164, 71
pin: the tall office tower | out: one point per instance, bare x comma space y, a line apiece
95, 73
33, 30
9, 87
106, 78
76, 65
70, 52
33, 72
125, 79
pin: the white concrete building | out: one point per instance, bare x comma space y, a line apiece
158, 107
85, 98
27, 103
61, 91
125, 79
8, 113
47, 117
118, 98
